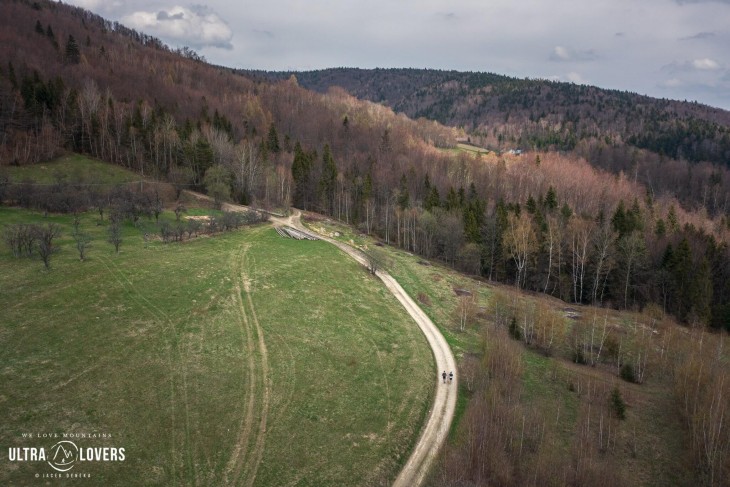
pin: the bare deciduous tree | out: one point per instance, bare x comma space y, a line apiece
466, 309
46, 248
115, 234
520, 243
83, 242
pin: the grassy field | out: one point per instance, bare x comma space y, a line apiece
72, 168
472, 148
464, 148
653, 439
242, 359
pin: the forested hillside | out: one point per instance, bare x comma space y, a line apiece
657, 142
551, 223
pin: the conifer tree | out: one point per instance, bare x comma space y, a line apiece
272, 140
619, 221
566, 212
328, 179
452, 200
433, 199
301, 171
51, 36
73, 54
404, 198
551, 199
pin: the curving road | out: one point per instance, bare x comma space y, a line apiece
437, 427
442, 412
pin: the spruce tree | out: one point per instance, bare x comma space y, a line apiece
619, 221
404, 197
301, 170
617, 403
452, 200
681, 268
566, 212
328, 180
433, 200
52, 37
701, 293
272, 140
551, 199
73, 54
672, 220
635, 217
514, 329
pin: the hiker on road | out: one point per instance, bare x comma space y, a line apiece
443, 375
451, 377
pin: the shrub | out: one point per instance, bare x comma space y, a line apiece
579, 357
628, 373
514, 329
617, 403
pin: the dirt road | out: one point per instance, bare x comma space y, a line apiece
442, 412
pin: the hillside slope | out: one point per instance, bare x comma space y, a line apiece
615, 130
479, 101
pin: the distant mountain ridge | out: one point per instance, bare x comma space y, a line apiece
541, 114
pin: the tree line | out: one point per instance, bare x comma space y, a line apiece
673, 147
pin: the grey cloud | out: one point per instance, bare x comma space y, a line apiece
565, 54
699, 36
201, 9
197, 26
684, 2
702, 64
264, 33
162, 15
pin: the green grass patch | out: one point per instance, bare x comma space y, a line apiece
472, 149
149, 345
72, 169
435, 281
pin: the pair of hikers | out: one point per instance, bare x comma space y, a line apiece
450, 376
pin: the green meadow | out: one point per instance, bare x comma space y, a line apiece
242, 358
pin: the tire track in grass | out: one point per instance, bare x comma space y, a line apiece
237, 460
248, 451
180, 350
265, 382
133, 295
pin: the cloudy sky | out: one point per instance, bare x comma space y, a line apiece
665, 48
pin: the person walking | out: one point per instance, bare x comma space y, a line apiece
451, 377
443, 376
